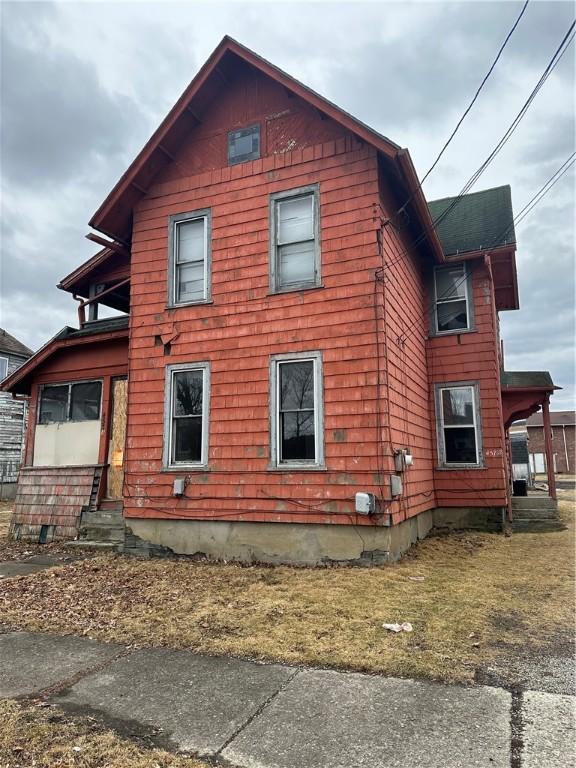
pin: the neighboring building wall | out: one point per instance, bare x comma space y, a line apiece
245, 326
563, 446
474, 357
13, 415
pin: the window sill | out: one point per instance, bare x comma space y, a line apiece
187, 468
294, 289
297, 468
457, 467
436, 334
190, 304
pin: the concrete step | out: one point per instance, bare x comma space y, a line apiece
536, 514
537, 526
112, 546
102, 518
531, 502
102, 533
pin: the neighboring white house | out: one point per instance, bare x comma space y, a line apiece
12, 413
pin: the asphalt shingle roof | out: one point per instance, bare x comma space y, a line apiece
12, 346
539, 379
94, 327
479, 220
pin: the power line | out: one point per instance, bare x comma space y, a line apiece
482, 84
554, 61
530, 205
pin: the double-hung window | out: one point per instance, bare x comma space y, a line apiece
294, 239
458, 420
3, 367
189, 258
452, 301
186, 415
70, 402
296, 410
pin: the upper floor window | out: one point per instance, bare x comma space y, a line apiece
244, 145
296, 409
70, 402
451, 296
189, 258
458, 419
3, 367
186, 417
294, 239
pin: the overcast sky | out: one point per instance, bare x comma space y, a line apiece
85, 84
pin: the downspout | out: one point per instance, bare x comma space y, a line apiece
81, 310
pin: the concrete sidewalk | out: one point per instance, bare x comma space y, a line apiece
251, 715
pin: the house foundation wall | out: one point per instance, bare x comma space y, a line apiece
309, 544
468, 518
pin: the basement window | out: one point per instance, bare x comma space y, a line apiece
458, 424
295, 240
451, 297
186, 415
189, 258
244, 145
79, 401
297, 422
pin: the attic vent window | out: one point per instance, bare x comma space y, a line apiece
244, 145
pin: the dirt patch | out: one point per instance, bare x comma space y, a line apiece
45, 737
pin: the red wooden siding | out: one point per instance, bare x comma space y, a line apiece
474, 357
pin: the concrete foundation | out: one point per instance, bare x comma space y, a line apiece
281, 542
469, 518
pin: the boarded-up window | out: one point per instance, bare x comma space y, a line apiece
244, 145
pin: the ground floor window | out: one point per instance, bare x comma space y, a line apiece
296, 410
79, 401
458, 423
186, 415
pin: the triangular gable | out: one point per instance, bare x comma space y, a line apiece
114, 217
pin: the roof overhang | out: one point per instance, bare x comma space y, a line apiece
523, 393
19, 382
502, 262
114, 216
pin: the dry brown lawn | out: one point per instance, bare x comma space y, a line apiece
468, 596
44, 738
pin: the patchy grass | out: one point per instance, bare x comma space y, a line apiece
475, 594
45, 738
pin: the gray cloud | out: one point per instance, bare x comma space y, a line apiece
57, 118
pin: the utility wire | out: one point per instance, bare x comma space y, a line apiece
530, 205
567, 39
459, 123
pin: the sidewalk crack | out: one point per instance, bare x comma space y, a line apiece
218, 755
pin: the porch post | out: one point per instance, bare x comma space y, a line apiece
548, 447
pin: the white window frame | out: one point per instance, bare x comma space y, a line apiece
7, 364
275, 450
466, 281
312, 190
477, 424
68, 384
174, 222
171, 370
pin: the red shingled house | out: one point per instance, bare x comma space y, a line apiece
314, 369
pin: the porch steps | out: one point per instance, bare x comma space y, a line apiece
102, 528
535, 514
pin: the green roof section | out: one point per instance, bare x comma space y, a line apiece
478, 221
527, 379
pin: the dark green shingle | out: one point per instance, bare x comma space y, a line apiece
479, 220
526, 379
